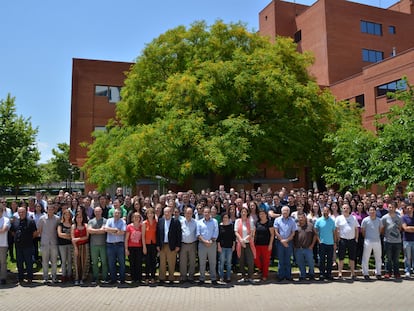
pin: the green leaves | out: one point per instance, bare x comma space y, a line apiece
18, 151
361, 159
214, 99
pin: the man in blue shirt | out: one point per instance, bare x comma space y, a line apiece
285, 228
207, 233
188, 246
325, 229
115, 228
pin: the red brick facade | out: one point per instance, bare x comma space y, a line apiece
330, 29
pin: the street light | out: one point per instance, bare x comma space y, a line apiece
70, 169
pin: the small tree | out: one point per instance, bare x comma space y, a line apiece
350, 155
61, 165
362, 158
392, 159
18, 151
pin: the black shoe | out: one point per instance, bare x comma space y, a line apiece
311, 278
2, 282
214, 282
379, 277
367, 278
321, 278
201, 282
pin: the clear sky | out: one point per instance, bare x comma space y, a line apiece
40, 38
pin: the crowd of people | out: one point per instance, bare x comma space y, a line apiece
234, 235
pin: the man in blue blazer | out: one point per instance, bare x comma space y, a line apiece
168, 242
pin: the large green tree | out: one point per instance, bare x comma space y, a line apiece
215, 99
18, 150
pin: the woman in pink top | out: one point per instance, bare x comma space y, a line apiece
133, 247
244, 229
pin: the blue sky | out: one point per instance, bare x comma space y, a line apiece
40, 38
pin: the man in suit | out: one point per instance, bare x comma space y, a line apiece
168, 242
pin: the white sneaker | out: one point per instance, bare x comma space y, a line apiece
407, 275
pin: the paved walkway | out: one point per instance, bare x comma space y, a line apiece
336, 295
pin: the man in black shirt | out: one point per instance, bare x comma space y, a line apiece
24, 230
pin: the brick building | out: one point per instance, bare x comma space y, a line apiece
95, 91
361, 52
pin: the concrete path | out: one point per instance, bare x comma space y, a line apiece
337, 295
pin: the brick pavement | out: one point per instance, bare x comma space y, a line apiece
337, 295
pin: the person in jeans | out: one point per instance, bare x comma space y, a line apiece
285, 228
392, 240
65, 245
326, 234
207, 233
303, 243
97, 242
24, 230
408, 240
225, 246
115, 228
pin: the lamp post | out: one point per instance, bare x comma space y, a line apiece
70, 169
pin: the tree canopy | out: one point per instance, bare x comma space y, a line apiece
18, 150
215, 99
363, 158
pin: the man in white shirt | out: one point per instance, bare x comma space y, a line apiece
347, 231
4, 245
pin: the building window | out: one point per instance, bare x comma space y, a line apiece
391, 30
372, 56
360, 101
112, 92
101, 90
394, 86
371, 28
100, 128
298, 36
